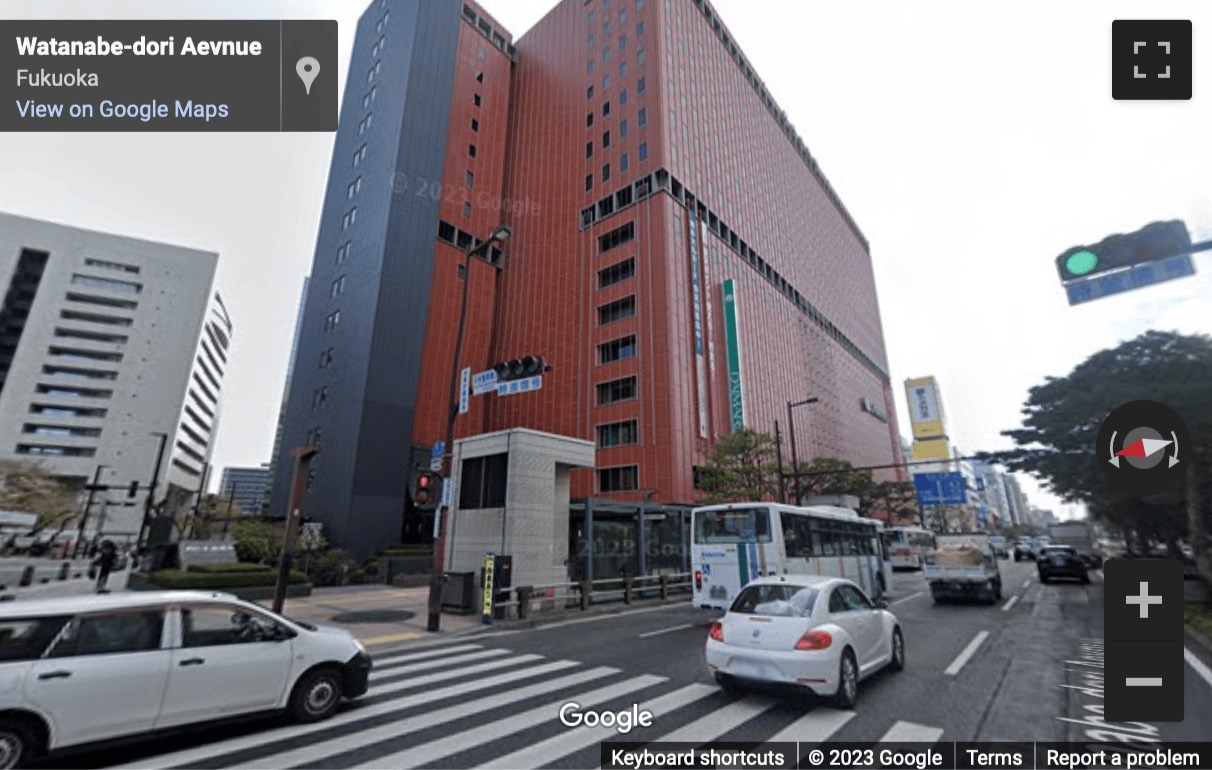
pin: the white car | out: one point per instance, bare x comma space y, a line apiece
809, 631
80, 669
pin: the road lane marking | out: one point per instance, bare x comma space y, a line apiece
446, 662
720, 721
194, 756
967, 654
575, 739
1198, 665
388, 638
1027, 584
591, 619
426, 753
382, 660
815, 726
1006, 607
911, 732
667, 630
907, 598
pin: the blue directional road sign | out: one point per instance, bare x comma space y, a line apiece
940, 488
1107, 284
439, 448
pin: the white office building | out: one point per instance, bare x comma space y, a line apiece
110, 349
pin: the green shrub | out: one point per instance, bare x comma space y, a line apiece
212, 569
409, 550
325, 569
356, 577
371, 568
173, 578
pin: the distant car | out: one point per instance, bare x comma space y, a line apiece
999, 546
1024, 549
1061, 561
810, 632
81, 669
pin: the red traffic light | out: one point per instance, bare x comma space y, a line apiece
425, 490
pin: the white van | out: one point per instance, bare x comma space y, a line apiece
79, 669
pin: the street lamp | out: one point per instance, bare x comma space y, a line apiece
88, 507
795, 461
499, 235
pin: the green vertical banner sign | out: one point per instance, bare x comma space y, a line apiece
732, 335
489, 568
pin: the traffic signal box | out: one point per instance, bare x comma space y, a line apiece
426, 489
521, 368
1152, 243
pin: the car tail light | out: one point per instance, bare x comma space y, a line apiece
717, 631
698, 580
814, 640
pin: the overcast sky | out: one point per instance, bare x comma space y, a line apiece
972, 142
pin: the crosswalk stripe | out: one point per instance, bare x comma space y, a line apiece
307, 755
391, 660
189, 757
577, 738
815, 726
425, 665
721, 720
911, 732
441, 676
416, 756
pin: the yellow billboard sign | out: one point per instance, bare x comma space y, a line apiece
489, 569
925, 408
932, 449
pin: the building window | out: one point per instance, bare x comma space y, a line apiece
589, 93
343, 252
623, 96
589, 149
482, 482
332, 320
605, 109
605, 82
641, 85
639, 29
623, 128
588, 182
639, 5
617, 350
606, 173
618, 479
591, 67
350, 217
467, 209
624, 163
475, 125
325, 359
471, 179
354, 188
641, 118
476, 100
591, 37
622, 70
616, 273
616, 237
616, 311
641, 57
622, 42
605, 139
471, 150
616, 390
359, 156
644, 151
618, 433
338, 286
111, 284
119, 266
588, 120
606, 57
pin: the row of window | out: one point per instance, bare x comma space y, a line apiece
641, 86
72, 391
60, 431
112, 284
56, 451
48, 410
808, 537
484, 28
107, 265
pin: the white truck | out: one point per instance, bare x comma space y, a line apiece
963, 566
1080, 536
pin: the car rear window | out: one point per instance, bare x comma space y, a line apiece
27, 638
775, 600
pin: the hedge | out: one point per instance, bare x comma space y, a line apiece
173, 578
420, 550
222, 569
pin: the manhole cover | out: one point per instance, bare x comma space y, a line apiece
374, 616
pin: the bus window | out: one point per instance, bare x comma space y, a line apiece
743, 525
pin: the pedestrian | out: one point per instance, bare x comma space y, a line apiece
105, 564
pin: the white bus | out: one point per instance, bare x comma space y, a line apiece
908, 546
734, 543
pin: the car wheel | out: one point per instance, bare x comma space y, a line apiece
1044, 578
1085, 579
1017, 557
727, 683
316, 695
997, 590
898, 650
847, 682
18, 743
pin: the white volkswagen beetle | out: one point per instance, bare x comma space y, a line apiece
810, 631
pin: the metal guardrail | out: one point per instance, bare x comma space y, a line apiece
584, 594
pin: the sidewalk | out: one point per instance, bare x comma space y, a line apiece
77, 583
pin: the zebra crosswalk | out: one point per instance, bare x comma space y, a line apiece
476, 705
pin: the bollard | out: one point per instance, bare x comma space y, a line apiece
586, 590
64, 568
524, 593
627, 584
664, 586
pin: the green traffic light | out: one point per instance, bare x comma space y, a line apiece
1081, 262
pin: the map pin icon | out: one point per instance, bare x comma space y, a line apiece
308, 68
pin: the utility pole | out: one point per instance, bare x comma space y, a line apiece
141, 544
88, 506
298, 486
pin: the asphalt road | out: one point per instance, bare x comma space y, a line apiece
1025, 669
